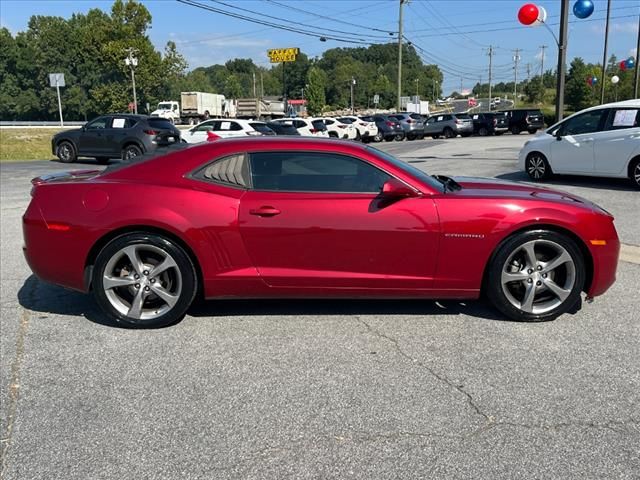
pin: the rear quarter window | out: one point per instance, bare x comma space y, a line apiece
319, 125
158, 123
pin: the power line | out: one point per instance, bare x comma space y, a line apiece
274, 25
290, 7
358, 35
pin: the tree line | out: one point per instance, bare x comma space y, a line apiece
90, 50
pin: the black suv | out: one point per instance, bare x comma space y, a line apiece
529, 119
114, 136
494, 123
388, 127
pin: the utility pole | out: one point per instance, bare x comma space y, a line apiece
261, 86
543, 47
254, 85
636, 79
399, 105
353, 82
490, 72
562, 59
417, 89
132, 62
604, 55
516, 59
528, 72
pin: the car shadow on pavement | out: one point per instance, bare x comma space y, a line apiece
620, 184
45, 298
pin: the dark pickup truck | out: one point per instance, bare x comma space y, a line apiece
525, 119
494, 123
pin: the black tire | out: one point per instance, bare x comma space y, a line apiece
102, 160
131, 151
66, 152
537, 167
421, 136
515, 130
634, 172
532, 130
399, 137
378, 137
483, 132
448, 133
358, 136
435, 137
179, 280
333, 135
411, 137
509, 259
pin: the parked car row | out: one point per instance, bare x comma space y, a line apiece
126, 136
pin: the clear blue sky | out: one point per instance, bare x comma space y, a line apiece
454, 33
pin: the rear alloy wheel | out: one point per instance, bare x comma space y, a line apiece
537, 167
448, 133
131, 151
634, 173
144, 280
378, 137
66, 152
399, 137
536, 276
411, 137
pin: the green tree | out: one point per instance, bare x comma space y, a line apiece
534, 90
315, 91
578, 94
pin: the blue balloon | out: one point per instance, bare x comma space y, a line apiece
630, 63
594, 80
583, 8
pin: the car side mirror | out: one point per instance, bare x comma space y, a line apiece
396, 189
558, 135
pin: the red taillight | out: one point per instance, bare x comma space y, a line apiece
313, 130
409, 121
342, 126
363, 124
389, 124
151, 132
458, 122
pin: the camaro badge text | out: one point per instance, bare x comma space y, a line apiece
464, 235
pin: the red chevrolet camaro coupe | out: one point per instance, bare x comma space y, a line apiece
287, 217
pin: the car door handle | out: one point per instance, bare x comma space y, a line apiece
265, 211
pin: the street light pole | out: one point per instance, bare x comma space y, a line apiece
636, 79
132, 62
353, 82
562, 59
399, 104
604, 55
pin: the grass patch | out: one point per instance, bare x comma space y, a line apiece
18, 144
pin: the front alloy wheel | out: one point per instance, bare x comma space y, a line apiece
537, 167
634, 173
536, 275
144, 280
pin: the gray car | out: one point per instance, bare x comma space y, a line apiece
411, 123
114, 136
449, 125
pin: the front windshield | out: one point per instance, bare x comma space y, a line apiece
164, 106
410, 169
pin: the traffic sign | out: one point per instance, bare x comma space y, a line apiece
56, 80
376, 99
278, 55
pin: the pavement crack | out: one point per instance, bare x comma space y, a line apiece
14, 389
489, 420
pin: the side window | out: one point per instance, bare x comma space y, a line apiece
314, 172
621, 118
232, 170
299, 124
234, 126
206, 127
98, 123
588, 122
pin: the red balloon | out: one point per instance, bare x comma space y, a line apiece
528, 14
623, 65
590, 80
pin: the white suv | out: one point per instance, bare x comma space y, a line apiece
602, 141
306, 126
366, 130
223, 128
340, 129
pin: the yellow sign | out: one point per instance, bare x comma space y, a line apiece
277, 55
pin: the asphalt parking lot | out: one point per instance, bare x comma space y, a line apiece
323, 389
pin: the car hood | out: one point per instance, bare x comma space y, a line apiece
496, 188
71, 132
